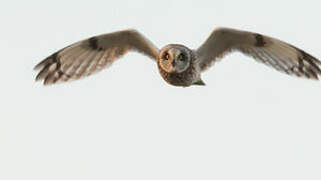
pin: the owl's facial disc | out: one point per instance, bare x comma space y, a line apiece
174, 60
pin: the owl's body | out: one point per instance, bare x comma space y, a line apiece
177, 64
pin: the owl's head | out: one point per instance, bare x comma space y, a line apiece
175, 58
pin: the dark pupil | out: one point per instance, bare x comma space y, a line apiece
166, 56
183, 57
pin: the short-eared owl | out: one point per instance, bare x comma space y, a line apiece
177, 64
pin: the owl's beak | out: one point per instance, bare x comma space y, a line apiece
174, 67
173, 63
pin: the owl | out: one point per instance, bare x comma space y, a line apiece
177, 64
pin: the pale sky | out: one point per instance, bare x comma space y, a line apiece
250, 122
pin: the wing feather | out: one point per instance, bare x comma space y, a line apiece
92, 55
270, 51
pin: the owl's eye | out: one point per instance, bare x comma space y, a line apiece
181, 57
166, 56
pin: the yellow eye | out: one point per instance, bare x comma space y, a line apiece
167, 56
180, 57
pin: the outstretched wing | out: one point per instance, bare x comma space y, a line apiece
270, 51
91, 55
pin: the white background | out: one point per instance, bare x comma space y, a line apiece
250, 122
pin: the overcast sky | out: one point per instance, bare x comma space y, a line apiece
250, 122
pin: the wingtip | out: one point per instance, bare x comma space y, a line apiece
37, 67
41, 64
36, 79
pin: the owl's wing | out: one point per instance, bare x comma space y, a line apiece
270, 51
91, 55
